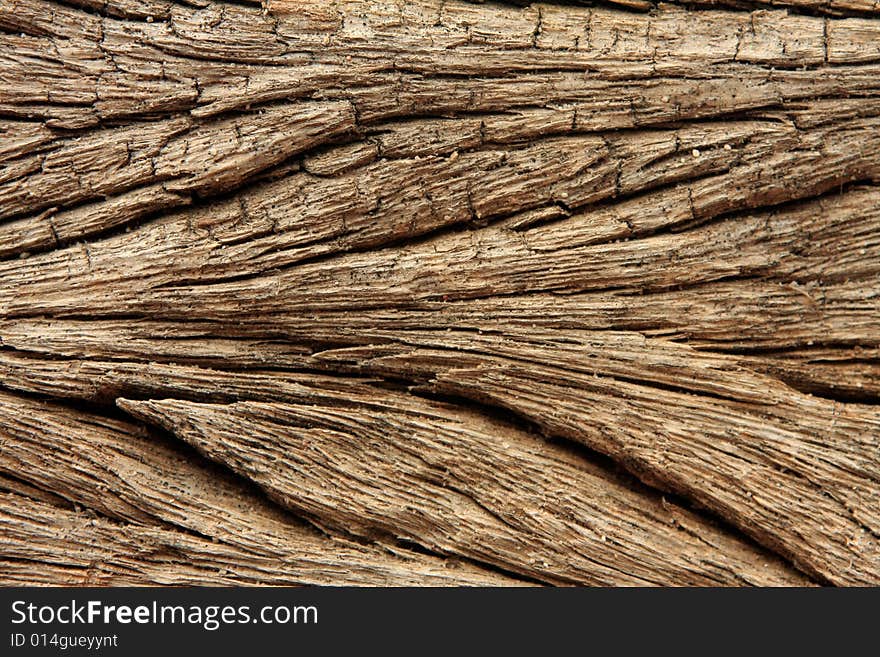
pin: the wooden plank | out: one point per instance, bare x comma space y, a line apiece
468, 236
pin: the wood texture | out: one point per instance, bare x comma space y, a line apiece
129, 508
441, 293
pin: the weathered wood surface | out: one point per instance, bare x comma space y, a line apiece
128, 507
379, 462
430, 286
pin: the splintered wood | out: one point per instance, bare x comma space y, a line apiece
439, 293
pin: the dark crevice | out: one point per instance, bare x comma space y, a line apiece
223, 472
649, 6
726, 347
825, 390
194, 199
610, 467
396, 545
411, 241
11, 483
635, 6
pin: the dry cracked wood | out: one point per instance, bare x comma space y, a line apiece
459, 483
156, 514
798, 473
383, 259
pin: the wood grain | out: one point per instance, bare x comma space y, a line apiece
440, 292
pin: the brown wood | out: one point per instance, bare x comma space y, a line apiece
440, 292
